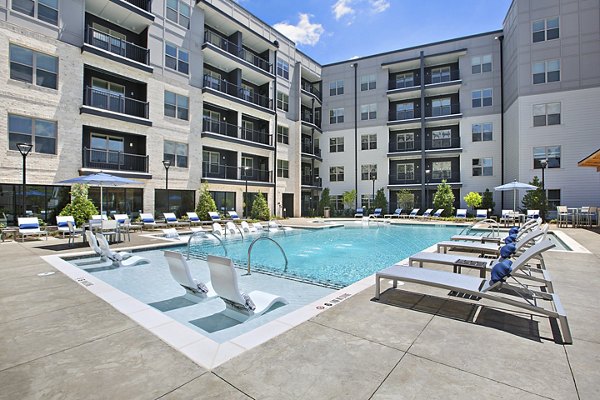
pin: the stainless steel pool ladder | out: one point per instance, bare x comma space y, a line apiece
278, 245
204, 236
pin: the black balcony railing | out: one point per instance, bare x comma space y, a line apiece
231, 130
234, 49
404, 115
114, 160
311, 88
411, 145
404, 84
431, 144
308, 180
440, 111
415, 178
145, 5
446, 76
311, 118
117, 46
236, 91
404, 179
220, 171
115, 102
447, 175
308, 149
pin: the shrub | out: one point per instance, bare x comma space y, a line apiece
325, 201
81, 207
380, 200
444, 198
406, 199
260, 208
487, 201
205, 203
536, 199
349, 197
473, 200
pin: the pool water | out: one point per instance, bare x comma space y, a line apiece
334, 257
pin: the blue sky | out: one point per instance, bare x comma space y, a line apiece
336, 30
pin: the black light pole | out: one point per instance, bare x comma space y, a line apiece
544, 164
167, 164
427, 178
24, 149
355, 66
373, 178
246, 192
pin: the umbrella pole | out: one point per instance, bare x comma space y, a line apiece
101, 201
514, 199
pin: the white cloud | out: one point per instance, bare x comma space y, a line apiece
341, 8
379, 6
304, 32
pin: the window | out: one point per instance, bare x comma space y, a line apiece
439, 75
283, 101
481, 64
441, 170
482, 167
178, 12
367, 200
368, 111
336, 116
441, 139
39, 132
481, 98
337, 202
210, 162
405, 141
336, 88
176, 59
177, 153
405, 111
283, 168
336, 174
550, 153
546, 71
553, 198
283, 69
405, 80
368, 82
368, 172
283, 134
546, 114
482, 132
107, 149
32, 67
368, 142
44, 10
336, 145
545, 29
176, 105
405, 172
212, 79
441, 107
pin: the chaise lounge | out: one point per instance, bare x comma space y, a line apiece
195, 290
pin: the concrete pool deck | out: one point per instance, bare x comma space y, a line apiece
60, 341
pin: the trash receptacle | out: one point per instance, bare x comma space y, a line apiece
326, 213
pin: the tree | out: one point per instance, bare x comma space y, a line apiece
473, 200
348, 197
406, 199
205, 203
380, 200
325, 201
536, 199
487, 201
444, 198
260, 208
81, 207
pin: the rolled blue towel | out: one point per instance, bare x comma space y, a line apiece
507, 250
513, 230
510, 239
500, 271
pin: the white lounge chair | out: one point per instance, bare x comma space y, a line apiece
258, 226
461, 213
426, 214
438, 213
413, 213
217, 229
233, 215
247, 228
171, 220
118, 258
359, 212
481, 213
62, 225
396, 214
195, 290
214, 216
500, 291
30, 226
376, 213
149, 222
533, 214
231, 228
239, 306
193, 218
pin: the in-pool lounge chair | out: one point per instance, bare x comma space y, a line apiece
233, 215
193, 218
120, 259
30, 226
413, 213
514, 294
359, 212
149, 222
214, 216
396, 214
239, 306
258, 226
217, 228
426, 214
376, 213
171, 220
195, 290
247, 228
232, 228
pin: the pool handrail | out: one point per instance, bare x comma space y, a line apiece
272, 240
193, 235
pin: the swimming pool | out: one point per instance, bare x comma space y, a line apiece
335, 257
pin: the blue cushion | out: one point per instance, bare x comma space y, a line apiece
513, 230
500, 271
508, 250
171, 219
148, 220
120, 221
510, 239
29, 226
63, 224
194, 219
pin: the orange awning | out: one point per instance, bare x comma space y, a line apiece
593, 160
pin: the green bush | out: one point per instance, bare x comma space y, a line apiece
487, 201
325, 201
260, 208
406, 199
205, 203
349, 197
444, 198
536, 199
473, 200
81, 207
380, 200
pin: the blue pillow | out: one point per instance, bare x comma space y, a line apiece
62, 224
513, 230
508, 250
510, 239
121, 221
148, 220
500, 271
171, 219
194, 219
29, 226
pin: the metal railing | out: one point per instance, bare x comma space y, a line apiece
115, 102
233, 49
278, 245
203, 235
404, 115
310, 117
220, 171
404, 179
453, 75
145, 5
310, 181
440, 111
114, 160
117, 46
432, 144
231, 130
311, 88
237, 91
309, 149
403, 85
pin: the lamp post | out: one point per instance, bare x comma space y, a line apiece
373, 178
427, 178
24, 149
544, 164
355, 66
167, 164
246, 192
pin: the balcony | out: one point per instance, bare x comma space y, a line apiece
404, 115
309, 117
308, 149
232, 48
308, 180
404, 179
220, 171
115, 160
443, 111
442, 78
136, 15
242, 93
115, 103
435, 144
117, 46
226, 129
312, 88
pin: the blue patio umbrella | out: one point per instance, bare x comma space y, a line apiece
514, 186
101, 179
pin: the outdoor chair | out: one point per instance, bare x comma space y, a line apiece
118, 259
533, 214
193, 218
30, 226
239, 305
233, 215
426, 214
413, 213
562, 216
376, 213
149, 222
214, 216
195, 290
396, 214
461, 213
508, 217
438, 213
481, 214
359, 212
73, 232
62, 225
171, 220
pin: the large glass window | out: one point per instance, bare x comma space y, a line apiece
553, 198
210, 162
368, 111
545, 29
368, 82
283, 101
283, 168
178, 12
368, 172
177, 153
368, 142
546, 114
546, 71
283, 69
336, 88
483, 167
225, 201
180, 201
33, 67
176, 105
118, 200
480, 64
550, 153
441, 107
405, 80
44, 10
336, 145
405, 172
441, 170
481, 98
336, 116
441, 139
405, 111
176, 58
405, 141
336, 174
39, 132
482, 132
439, 75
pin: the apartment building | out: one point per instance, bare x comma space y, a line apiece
204, 91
